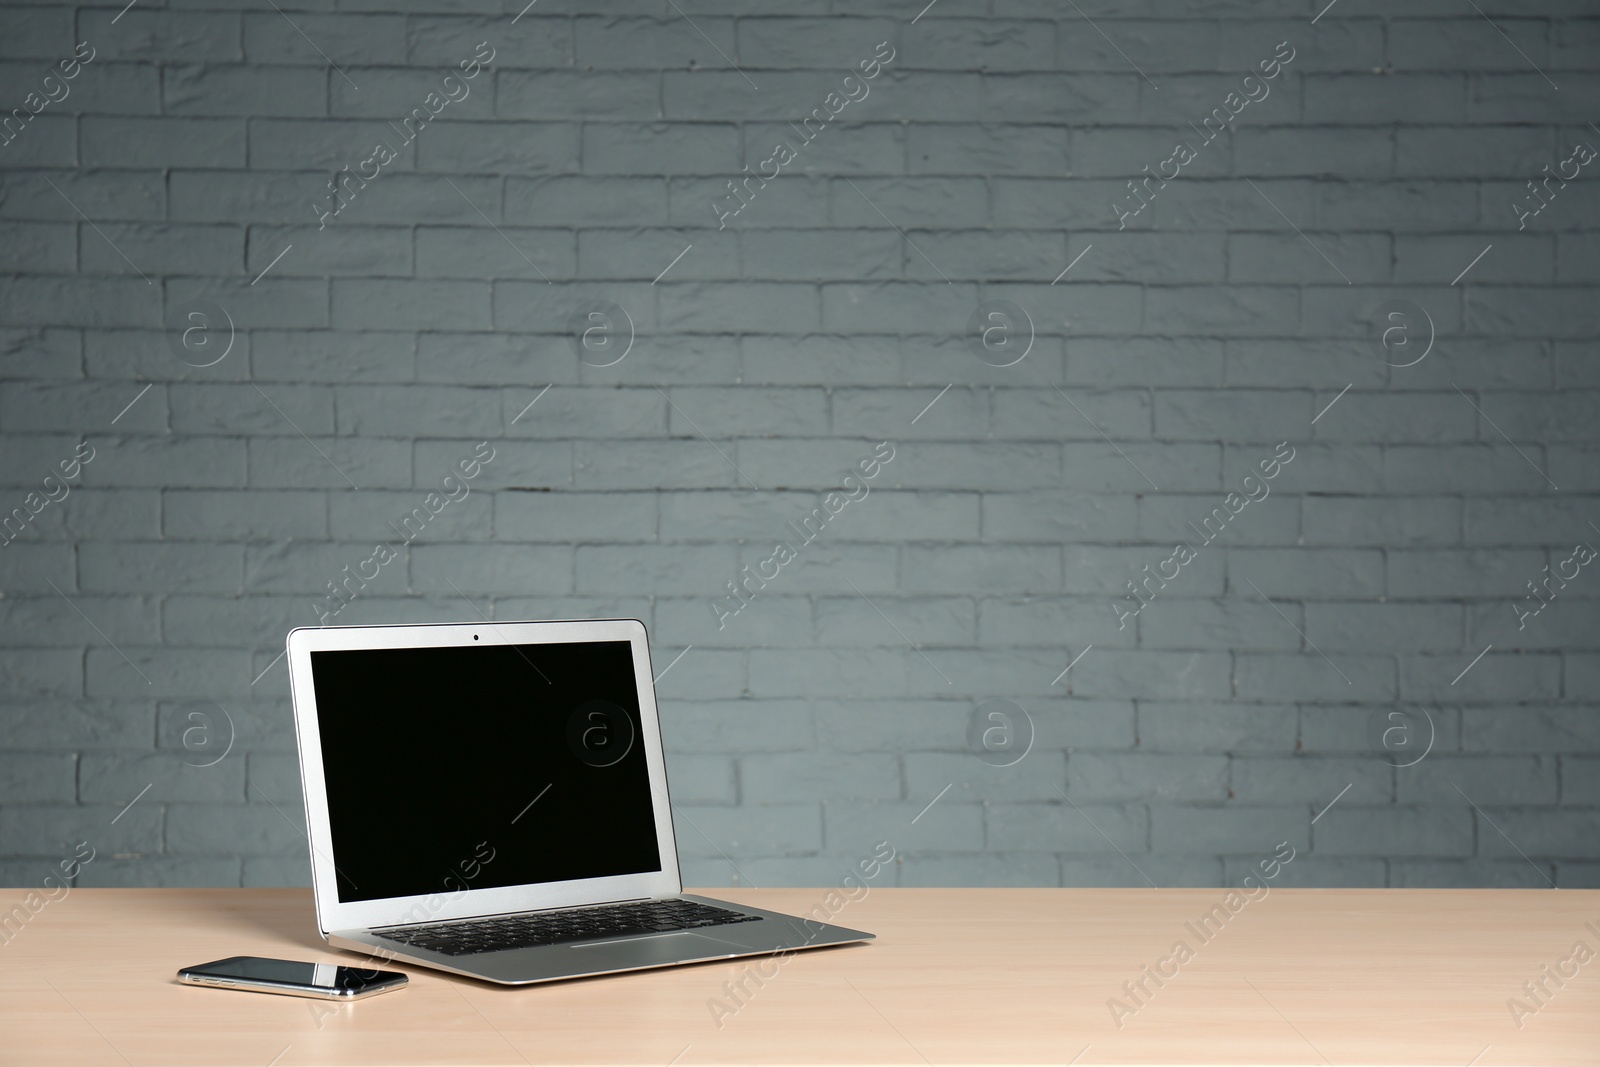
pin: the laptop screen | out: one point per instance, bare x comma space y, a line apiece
480, 767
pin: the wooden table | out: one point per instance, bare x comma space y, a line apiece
956, 976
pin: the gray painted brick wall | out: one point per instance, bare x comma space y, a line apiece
166, 210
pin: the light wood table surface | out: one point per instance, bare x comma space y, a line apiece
1301, 976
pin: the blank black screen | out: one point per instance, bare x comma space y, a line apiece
477, 767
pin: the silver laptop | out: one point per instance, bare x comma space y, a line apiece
491, 800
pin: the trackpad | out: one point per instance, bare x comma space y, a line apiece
661, 948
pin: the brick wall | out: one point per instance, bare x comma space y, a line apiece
265, 375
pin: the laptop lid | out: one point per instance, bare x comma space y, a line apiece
459, 770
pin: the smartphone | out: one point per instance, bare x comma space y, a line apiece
327, 981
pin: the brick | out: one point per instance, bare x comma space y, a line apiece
448, 40
1379, 627
598, 201
1493, 780
1443, 468
290, 144
349, 250
1464, 44
1300, 573
134, 567
775, 778
664, 464
1392, 96
293, 463
1107, 571
1423, 573
58, 829
257, 827
1039, 775
789, 255
955, 202
1059, 827
151, 142
1555, 834
1276, 257
1580, 780
1207, 310
823, 567
888, 307
738, 726
1382, 521
973, 568
650, 44
515, 148
51, 621
1489, 151
35, 778
868, 149
244, 91
647, 256
1195, 624
1511, 676
808, 43
1311, 678
1528, 257
1239, 831
1049, 620
491, 568
160, 35
346, 39
716, 674
46, 301
960, 149
200, 514
57, 723
279, 302
748, 411
1150, 674
668, 568
767, 830
1143, 776
37, 32
1215, 727
577, 94
1312, 780
671, 148
828, 672
860, 825
219, 409
113, 777
100, 195
199, 730
761, 305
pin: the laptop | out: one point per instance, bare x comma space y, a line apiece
490, 799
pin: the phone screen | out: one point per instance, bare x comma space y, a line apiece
330, 976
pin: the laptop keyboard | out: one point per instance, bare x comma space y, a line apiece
469, 937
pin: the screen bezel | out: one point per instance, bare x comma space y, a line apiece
334, 915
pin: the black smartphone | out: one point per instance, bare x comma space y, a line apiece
326, 981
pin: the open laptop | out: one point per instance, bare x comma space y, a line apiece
491, 800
